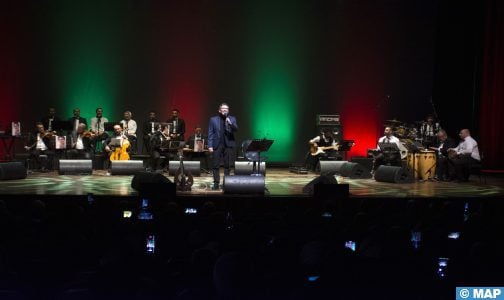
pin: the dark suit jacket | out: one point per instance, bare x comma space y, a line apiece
156, 140
45, 121
449, 143
32, 141
81, 120
214, 132
147, 126
180, 128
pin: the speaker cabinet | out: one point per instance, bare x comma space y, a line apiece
354, 171
247, 168
126, 167
367, 162
75, 166
189, 166
309, 188
153, 184
392, 174
244, 184
331, 166
12, 170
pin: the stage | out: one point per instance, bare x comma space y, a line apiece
279, 182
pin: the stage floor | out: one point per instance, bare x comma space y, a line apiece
279, 182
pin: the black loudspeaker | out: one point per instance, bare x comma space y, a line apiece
392, 174
189, 166
153, 184
75, 166
247, 168
12, 170
367, 162
331, 166
126, 167
309, 188
354, 170
244, 184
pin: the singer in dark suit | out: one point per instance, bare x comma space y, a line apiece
221, 141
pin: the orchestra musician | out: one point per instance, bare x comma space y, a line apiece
149, 128
387, 157
81, 146
463, 156
39, 143
221, 141
129, 129
199, 139
98, 128
323, 146
156, 143
441, 147
428, 131
49, 120
177, 129
76, 120
123, 139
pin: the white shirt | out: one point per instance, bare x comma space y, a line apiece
40, 143
391, 139
129, 127
468, 146
98, 127
79, 145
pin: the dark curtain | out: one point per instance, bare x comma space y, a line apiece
492, 87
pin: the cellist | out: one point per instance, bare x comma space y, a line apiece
117, 152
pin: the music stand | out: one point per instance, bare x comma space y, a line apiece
259, 146
345, 145
388, 147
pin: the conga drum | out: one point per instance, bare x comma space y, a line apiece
427, 165
413, 160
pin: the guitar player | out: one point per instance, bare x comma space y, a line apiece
322, 147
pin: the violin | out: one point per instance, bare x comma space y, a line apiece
89, 134
121, 153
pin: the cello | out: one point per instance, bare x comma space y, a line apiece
121, 153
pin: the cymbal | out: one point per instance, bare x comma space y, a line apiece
393, 121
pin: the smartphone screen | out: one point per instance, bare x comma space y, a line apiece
327, 215
190, 211
441, 267
151, 244
90, 198
454, 235
127, 214
145, 203
350, 245
312, 278
416, 239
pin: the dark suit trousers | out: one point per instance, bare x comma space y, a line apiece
221, 152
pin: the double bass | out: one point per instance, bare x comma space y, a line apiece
183, 180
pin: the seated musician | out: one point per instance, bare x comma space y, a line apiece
441, 147
81, 146
112, 149
387, 157
40, 143
322, 147
157, 142
149, 128
463, 156
197, 143
129, 129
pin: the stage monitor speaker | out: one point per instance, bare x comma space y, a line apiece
126, 167
367, 162
309, 188
331, 166
189, 166
247, 168
392, 174
153, 184
354, 171
244, 184
12, 170
75, 166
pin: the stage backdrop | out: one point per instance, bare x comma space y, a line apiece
277, 63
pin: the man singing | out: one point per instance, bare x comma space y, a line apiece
221, 141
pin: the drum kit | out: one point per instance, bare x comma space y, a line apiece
406, 131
